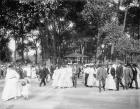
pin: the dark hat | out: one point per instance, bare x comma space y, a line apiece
100, 65
134, 65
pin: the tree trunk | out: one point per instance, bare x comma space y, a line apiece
36, 55
83, 51
139, 30
131, 58
54, 50
22, 50
125, 57
43, 43
15, 58
97, 44
42, 50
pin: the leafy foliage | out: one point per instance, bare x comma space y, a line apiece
66, 26
5, 52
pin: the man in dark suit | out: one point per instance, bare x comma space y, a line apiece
112, 71
74, 75
128, 75
134, 71
86, 73
119, 76
46, 70
43, 75
101, 76
52, 71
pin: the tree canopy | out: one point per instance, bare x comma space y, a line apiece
65, 26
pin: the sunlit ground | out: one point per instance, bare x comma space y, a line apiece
74, 98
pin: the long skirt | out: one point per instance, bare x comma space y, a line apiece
110, 83
10, 89
25, 90
91, 80
33, 74
68, 82
138, 78
61, 81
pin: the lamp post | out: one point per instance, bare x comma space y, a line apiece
102, 46
111, 46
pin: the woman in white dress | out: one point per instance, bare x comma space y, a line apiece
25, 87
95, 82
61, 82
68, 77
95, 76
91, 79
138, 76
11, 84
55, 77
110, 82
33, 72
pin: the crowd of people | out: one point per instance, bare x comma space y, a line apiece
112, 76
103, 76
18, 76
109, 76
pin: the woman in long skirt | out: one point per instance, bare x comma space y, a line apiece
61, 81
68, 77
11, 84
91, 79
110, 81
56, 77
138, 76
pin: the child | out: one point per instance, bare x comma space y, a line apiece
25, 88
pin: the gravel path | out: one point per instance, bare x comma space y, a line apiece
74, 98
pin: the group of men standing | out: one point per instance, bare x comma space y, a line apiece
123, 75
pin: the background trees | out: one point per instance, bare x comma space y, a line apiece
96, 28
97, 13
5, 52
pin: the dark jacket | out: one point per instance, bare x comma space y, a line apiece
52, 69
74, 72
46, 71
119, 71
128, 75
42, 73
134, 71
101, 73
112, 71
